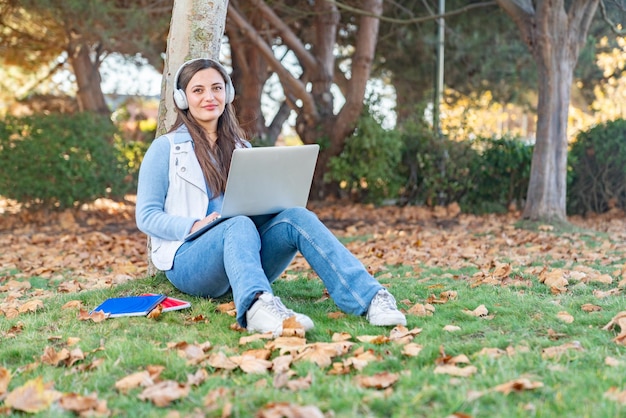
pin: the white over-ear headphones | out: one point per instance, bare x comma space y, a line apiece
180, 99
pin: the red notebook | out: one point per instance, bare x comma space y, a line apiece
172, 304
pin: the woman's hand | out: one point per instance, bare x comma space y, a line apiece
205, 221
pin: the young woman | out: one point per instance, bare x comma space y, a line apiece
181, 183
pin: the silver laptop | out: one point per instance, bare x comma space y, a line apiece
266, 180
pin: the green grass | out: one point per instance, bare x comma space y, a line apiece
523, 318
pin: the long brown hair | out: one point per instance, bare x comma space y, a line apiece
215, 162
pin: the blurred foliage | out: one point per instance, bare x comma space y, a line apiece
597, 164
367, 168
413, 165
58, 161
436, 169
501, 173
36, 32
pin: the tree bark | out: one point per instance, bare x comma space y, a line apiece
89, 95
249, 75
554, 36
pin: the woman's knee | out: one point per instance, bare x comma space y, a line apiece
241, 223
299, 214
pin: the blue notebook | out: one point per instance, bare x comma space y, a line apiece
130, 305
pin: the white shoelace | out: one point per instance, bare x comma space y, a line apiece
281, 310
385, 301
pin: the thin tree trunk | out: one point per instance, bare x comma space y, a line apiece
547, 187
196, 31
249, 76
89, 95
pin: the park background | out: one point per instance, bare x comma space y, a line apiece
429, 197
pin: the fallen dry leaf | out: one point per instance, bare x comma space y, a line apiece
492, 352
558, 351
143, 378
452, 328
554, 279
163, 393
32, 397
341, 336
287, 344
88, 405
323, 353
616, 395
612, 362
227, 308
220, 360
96, 316
214, 398
457, 371
381, 380
411, 349
288, 410
247, 339
251, 364
421, 310
52, 357
282, 363
193, 353
72, 304
199, 377
31, 306
517, 385
565, 317
336, 315
301, 383
480, 312
601, 294
156, 312
14, 330
5, 378
589, 307
373, 339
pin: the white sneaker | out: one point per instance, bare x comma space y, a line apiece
383, 310
268, 313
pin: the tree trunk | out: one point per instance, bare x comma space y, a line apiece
545, 198
554, 33
89, 95
325, 125
196, 31
249, 76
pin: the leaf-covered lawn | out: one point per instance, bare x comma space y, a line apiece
502, 321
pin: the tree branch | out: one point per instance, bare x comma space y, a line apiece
416, 19
289, 38
289, 82
580, 15
605, 16
522, 12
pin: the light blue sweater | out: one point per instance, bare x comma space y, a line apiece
171, 195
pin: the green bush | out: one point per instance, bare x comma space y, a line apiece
436, 170
130, 155
367, 168
502, 173
597, 169
60, 160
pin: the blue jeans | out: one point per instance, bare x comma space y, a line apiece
246, 255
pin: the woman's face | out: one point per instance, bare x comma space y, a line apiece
206, 95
